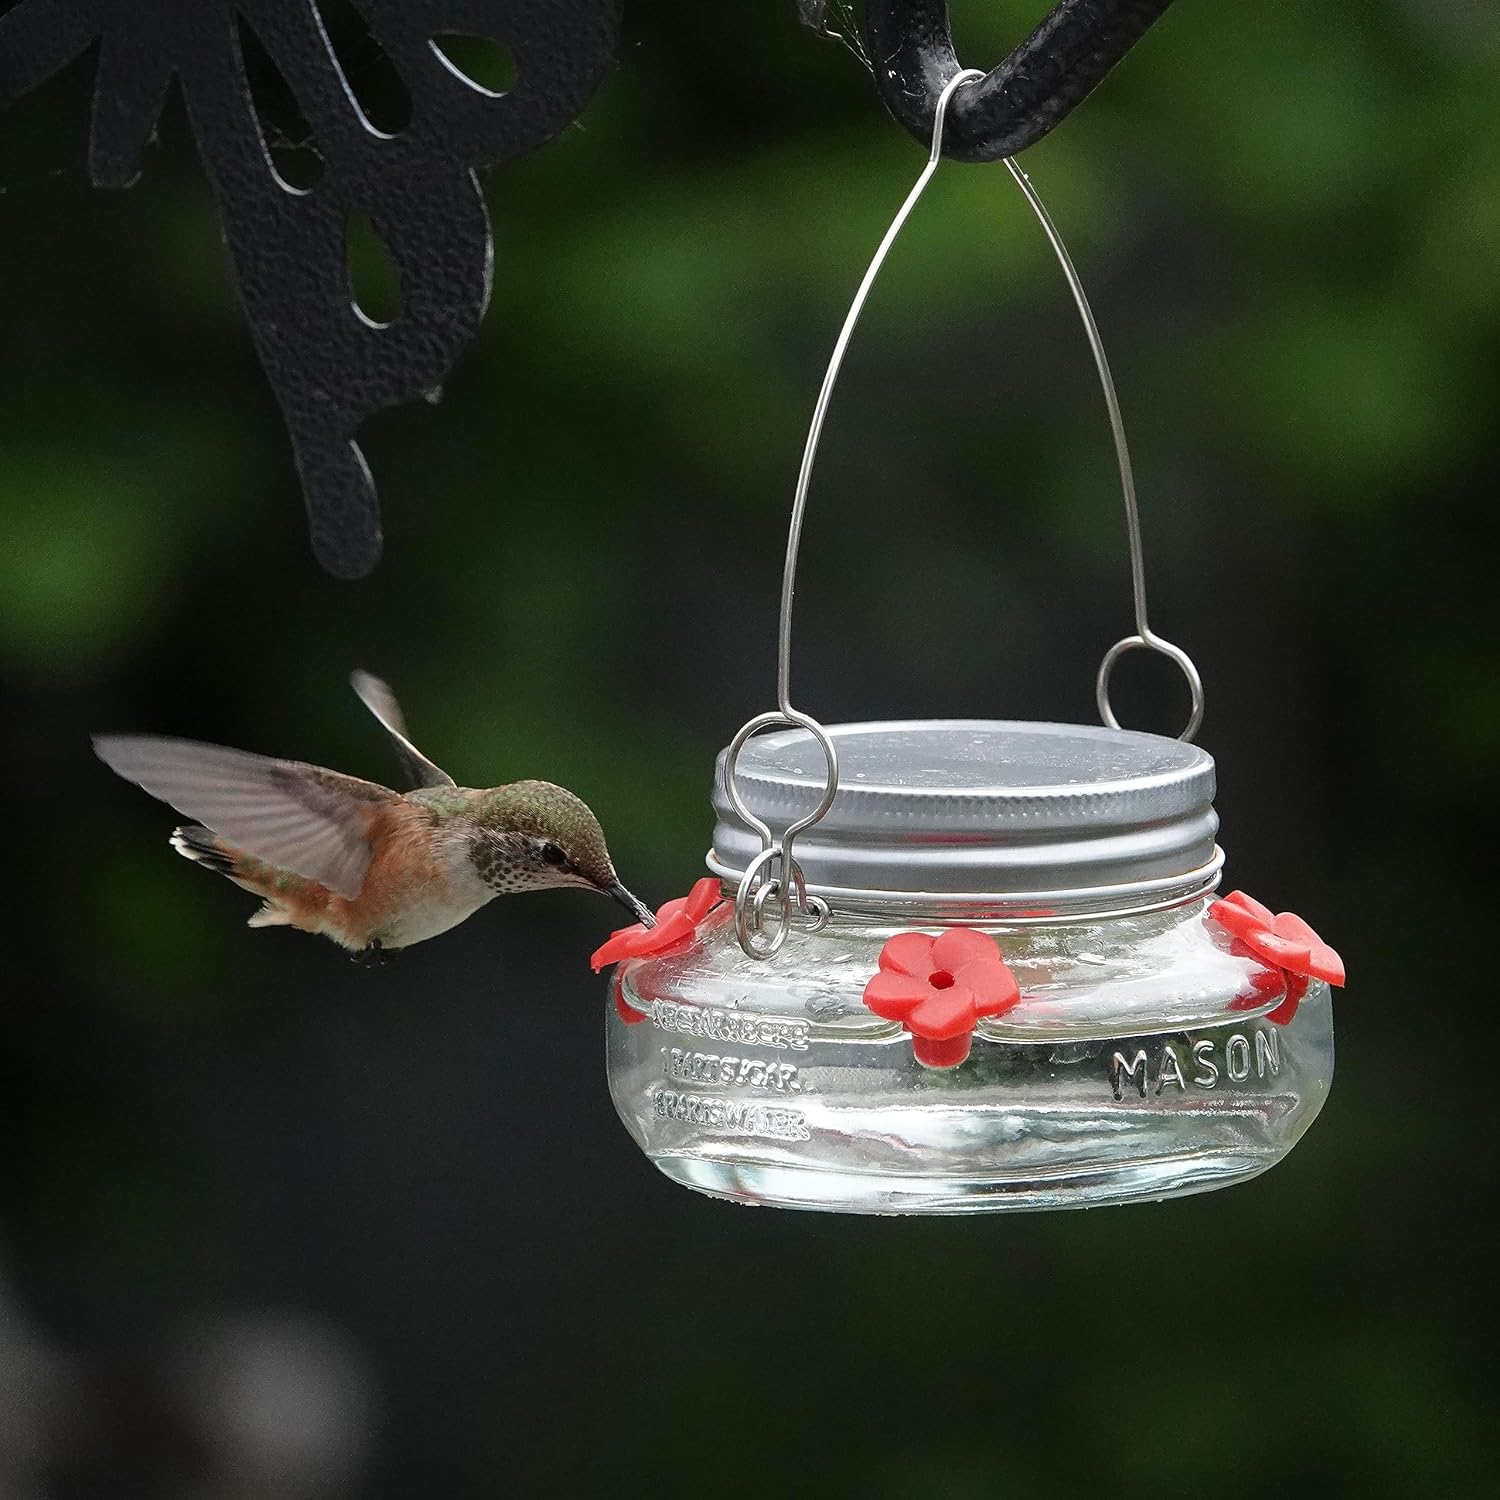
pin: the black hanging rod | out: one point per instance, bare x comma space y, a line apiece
1020, 100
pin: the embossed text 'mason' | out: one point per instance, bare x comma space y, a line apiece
1200, 1066
733, 1116
718, 1025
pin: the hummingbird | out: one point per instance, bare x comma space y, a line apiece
374, 869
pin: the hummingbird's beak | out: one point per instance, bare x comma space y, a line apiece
641, 913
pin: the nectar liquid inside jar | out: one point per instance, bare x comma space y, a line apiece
1150, 1054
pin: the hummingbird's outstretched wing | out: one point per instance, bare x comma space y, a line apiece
381, 701
296, 817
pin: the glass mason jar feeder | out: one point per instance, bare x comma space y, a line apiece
993, 975
1151, 1052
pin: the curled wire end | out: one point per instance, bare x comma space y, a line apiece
762, 915
1150, 642
756, 888
759, 908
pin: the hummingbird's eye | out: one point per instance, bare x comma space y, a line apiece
552, 855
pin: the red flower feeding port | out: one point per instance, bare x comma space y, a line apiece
1283, 940
939, 988
676, 923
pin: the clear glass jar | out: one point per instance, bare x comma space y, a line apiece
1141, 1062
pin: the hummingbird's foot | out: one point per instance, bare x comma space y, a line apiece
375, 955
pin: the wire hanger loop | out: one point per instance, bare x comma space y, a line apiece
772, 895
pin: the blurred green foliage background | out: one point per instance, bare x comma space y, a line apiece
266, 1211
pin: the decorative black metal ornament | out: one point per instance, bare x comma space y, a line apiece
331, 365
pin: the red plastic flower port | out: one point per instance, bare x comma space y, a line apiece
938, 988
1285, 942
676, 923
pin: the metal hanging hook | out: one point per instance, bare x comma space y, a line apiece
772, 894
910, 46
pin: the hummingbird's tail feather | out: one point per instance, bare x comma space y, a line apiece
201, 845
204, 847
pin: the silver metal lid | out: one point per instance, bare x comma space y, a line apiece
979, 811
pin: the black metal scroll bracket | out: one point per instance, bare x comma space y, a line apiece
330, 365
1059, 64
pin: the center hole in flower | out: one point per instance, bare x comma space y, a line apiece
940, 979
